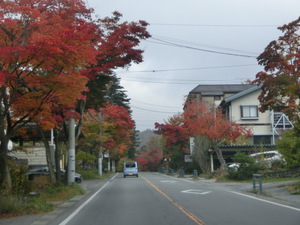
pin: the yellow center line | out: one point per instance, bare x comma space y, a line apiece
181, 208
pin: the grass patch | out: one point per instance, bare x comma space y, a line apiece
14, 205
294, 188
250, 180
93, 175
273, 180
61, 192
227, 180
89, 174
17, 206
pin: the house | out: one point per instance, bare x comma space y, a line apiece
216, 93
242, 108
240, 104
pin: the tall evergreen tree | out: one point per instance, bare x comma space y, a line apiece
116, 95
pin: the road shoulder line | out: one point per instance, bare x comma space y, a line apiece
267, 201
65, 221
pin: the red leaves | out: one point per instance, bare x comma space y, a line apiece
118, 128
116, 44
280, 80
201, 120
149, 161
175, 135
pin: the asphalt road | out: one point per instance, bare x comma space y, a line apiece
158, 199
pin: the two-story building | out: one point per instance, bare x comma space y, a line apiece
242, 108
240, 104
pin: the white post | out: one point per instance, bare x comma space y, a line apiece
51, 139
113, 166
71, 158
100, 155
211, 162
108, 165
272, 127
100, 166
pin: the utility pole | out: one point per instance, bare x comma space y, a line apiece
100, 155
71, 157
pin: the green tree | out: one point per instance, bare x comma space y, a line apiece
116, 95
289, 146
245, 169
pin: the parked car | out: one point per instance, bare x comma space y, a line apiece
267, 159
42, 170
234, 166
130, 169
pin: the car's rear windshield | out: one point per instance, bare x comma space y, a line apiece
130, 164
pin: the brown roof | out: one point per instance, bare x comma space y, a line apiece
219, 89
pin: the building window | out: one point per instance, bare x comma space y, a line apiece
262, 140
217, 97
249, 112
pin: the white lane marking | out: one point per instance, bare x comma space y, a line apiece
86, 202
175, 178
168, 181
263, 200
194, 191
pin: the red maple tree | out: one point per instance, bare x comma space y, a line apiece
49, 51
200, 119
280, 86
42, 46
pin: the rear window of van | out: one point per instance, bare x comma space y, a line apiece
130, 164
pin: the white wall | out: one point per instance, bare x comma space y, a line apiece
263, 122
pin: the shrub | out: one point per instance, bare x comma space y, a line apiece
289, 146
20, 184
89, 174
40, 183
247, 167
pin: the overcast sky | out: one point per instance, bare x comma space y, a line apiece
194, 42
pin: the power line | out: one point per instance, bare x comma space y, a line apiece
163, 42
149, 110
185, 69
153, 104
175, 81
214, 25
200, 44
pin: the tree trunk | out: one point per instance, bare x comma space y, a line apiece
48, 155
220, 155
5, 177
201, 153
57, 154
79, 124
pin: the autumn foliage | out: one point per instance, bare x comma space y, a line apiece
175, 135
200, 119
118, 127
51, 53
112, 128
150, 161
204, 120
280, 78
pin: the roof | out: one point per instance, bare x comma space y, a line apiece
220, 89
242, 93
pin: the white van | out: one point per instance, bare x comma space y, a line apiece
130, 169
264, 158
268, 158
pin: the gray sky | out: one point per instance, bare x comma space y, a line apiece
194, 42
